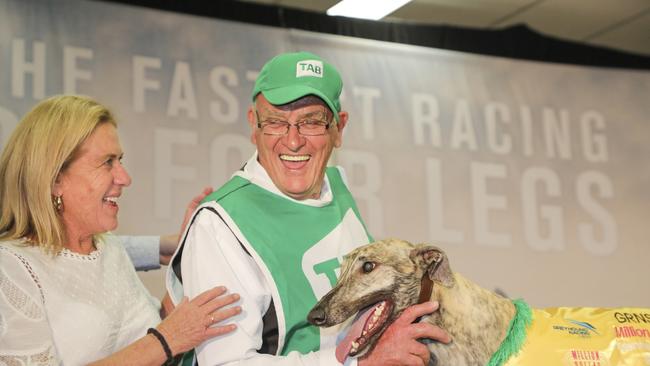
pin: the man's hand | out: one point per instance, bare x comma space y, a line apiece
168, 243
399, 344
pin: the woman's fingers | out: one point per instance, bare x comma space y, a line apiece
223, 314
216, 331
208, 295
220, 302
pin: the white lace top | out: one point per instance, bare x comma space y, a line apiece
70, 309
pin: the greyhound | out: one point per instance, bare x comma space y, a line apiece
384, 278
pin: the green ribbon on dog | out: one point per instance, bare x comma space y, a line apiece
516, 334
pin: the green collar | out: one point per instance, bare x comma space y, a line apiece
514, 341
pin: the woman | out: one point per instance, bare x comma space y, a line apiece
69, 294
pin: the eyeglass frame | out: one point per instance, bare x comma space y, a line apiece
289, 125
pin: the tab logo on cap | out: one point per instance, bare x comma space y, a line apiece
309, 68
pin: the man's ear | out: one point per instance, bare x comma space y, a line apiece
252, 123
434, 262
343, 120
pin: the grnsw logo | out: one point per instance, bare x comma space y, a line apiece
309, 68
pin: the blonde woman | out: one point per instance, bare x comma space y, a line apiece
69, 294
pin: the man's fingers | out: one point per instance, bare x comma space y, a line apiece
430, 331
413, 360
413, 312
422, 352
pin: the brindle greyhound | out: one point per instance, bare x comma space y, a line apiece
387, 276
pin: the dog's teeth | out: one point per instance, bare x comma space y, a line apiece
364, 333
355, 346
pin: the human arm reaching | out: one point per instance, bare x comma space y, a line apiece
150, 252
169, 243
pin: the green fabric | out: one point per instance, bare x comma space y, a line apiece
281, 231
516, 335
290, 76
187, 359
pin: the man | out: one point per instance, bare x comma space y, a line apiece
276, 231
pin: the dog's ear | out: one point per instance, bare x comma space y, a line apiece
434, 261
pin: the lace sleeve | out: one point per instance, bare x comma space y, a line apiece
25, 337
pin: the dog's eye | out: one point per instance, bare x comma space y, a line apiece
368, 267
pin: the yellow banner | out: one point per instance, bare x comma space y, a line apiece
587, 337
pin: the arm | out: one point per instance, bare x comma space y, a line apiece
213, 255
169, 243
149, 252
191, 323
143, 251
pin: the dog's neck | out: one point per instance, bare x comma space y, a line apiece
475, 319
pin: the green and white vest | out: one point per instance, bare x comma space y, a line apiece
298, 247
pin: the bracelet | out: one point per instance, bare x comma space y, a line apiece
163, 343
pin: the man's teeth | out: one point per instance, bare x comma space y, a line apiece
294, 157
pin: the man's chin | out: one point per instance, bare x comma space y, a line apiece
301, 196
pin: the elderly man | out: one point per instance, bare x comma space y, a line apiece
275, 232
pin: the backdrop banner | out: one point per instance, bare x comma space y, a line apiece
534, 177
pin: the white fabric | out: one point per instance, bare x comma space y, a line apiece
211, 257
69, 309
143, 250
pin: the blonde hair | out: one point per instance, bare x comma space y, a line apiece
43, 145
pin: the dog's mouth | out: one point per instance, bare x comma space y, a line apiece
366, 329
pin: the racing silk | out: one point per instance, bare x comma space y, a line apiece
298, 247
586, 337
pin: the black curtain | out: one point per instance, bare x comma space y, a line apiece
519, 42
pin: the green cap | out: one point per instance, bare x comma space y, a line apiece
290, 76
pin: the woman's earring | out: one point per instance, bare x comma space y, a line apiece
58, 203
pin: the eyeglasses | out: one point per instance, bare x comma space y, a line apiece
306, 127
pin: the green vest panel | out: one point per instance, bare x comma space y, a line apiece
298, 246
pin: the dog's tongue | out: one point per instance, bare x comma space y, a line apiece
343, 348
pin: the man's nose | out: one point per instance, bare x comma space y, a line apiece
294, 139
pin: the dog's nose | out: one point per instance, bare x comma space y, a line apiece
317, 316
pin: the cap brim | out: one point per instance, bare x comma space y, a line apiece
287, 94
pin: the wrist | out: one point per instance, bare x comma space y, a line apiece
163, 344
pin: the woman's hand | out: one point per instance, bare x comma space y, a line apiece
193, 322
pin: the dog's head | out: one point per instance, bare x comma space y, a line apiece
378, 281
